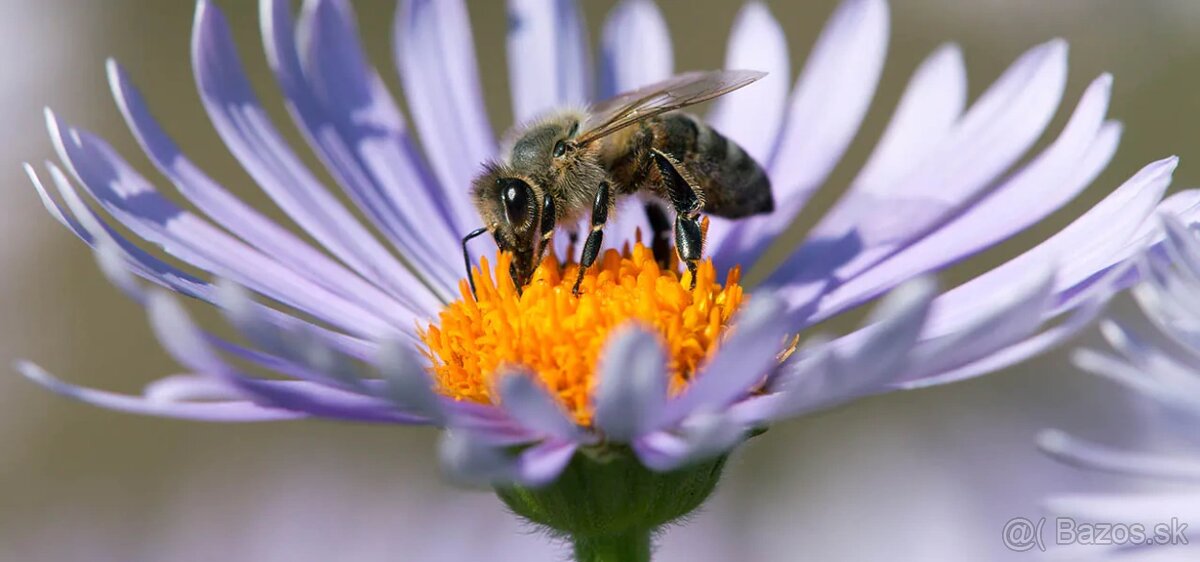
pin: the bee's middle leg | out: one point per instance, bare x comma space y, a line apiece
660, 233
591, 246
689, 237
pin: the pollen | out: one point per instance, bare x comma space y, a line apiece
560, 337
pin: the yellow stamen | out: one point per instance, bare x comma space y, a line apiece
561, 337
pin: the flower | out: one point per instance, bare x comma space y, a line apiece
1160, 361
353, 332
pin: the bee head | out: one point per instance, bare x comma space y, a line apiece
511, 209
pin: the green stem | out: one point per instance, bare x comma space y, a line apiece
633, 546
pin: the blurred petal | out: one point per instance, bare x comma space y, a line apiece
633, 384
1184, 507
700, 436
189, 346
531, 406
1004, 319
1079, 319
541, 464
469, 460
240, 411
407, 383
636, 48
862, 362
1085, 454
548, 62
745, 358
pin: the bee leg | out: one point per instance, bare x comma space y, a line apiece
547, 222
689, 238
467, 257
660, 233
591, 247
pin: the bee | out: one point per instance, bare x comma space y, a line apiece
555, 170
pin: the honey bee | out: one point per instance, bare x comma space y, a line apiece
557, 169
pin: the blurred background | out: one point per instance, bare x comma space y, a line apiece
930, 475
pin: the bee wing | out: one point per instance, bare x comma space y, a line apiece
677, 92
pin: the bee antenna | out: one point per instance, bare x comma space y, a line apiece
467, 257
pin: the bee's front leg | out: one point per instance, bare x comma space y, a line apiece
547, 222
591, 247
689, 238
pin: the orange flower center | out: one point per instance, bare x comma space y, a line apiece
560, 337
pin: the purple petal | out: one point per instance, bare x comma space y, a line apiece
1043, 186
993, 134
435, 53
745, 358
338, 99
133, 201
472, 461
206, 411
541, 464
826, 108
701, 436
106, 241
860, 363
829, 103
1005, 318
752, 116
1094, 456
475, 461
189, 387
56, 211
188, 345
246, 128
1135, 506
527, 401
1135, 379
229, 211
548, 62
636, 48
1097, 240
632, 391
1079, 319
407, 382
930, 107
1177, 371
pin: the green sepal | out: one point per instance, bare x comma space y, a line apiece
606, 499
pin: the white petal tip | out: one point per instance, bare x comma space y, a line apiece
1052, 440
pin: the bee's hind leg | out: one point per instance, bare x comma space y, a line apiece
689, 237
591, 247
660, 233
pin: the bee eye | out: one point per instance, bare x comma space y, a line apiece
516, 195
560, 148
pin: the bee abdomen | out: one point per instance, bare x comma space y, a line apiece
732, 183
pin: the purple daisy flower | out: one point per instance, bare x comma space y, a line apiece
1159, 360
351, 321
